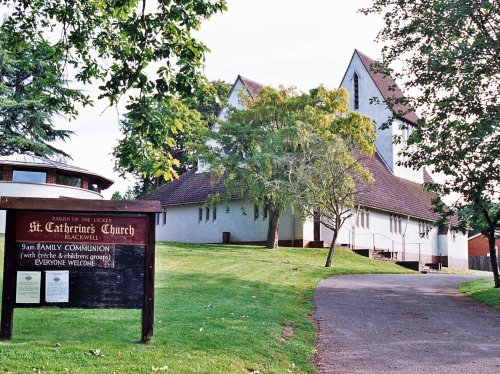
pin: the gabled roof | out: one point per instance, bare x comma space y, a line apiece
252, 87
190, 188
388, 192
31, 161
388, 88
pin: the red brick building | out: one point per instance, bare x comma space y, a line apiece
478, 245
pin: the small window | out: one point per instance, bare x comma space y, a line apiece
157, 219
264, 211
164, 217
255, 212
29, 176
356, 91
367, 219
69, 180
399, 225
362, 218
214, 213
200, 215
357, 219
390, 219
207, 214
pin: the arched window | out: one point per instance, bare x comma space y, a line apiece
356, 91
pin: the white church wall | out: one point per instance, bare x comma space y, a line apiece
377, 111
401, 171
183, 224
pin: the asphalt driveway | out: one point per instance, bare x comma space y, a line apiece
404, 324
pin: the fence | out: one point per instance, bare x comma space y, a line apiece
480, 263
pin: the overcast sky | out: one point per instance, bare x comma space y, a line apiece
288, 42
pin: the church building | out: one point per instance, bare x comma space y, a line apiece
394, 216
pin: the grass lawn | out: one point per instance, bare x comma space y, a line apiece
219, 309
482, 290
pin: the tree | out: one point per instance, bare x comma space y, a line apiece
327, 178
250, 144
32, 92
448, 50
128, 195
180, 145
150, 138
115, 43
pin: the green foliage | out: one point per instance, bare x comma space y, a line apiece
128, 195
224, 314
448, 51
252, 146
128, 47
32, 92
482, 290
150, 138
180, 145
326, 179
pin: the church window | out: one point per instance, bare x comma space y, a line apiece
255, 212
356, 91
362, 218
391, 221
264, 211
214, 213
200, 214
207, 214
164, 216
399, 225
367, 219
157, 219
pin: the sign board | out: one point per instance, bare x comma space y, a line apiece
78, 254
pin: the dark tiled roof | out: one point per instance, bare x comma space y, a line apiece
394, 194
387, 193
252, 87
388, 89
190, 188
428, 178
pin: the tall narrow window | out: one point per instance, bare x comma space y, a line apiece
200, 215
207, 214
264, 211
164, 217
399, 225
157, 219
356, 91
367, 219
391, 222
255, 212
214, 213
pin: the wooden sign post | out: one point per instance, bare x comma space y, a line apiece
71, 253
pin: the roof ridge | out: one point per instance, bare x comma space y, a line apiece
252, 86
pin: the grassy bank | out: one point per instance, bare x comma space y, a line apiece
219, 309
482, 290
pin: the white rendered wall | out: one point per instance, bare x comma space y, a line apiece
232, 101
380, 114
182, 224
22, 189
409, 247
376, 111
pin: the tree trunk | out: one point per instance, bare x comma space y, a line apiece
493, 256
272, 229
329, 258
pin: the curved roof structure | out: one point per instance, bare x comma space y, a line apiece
30, 161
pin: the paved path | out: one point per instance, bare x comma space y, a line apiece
404, 324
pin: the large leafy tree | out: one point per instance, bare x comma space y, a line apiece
171, 128
32, 92
143, 50
448, 54
250, 144
327, 178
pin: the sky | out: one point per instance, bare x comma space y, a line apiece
288, 42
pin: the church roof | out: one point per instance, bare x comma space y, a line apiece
388, 89
388, 192
252, 87
30, 161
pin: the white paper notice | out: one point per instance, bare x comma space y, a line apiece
57, 286
28, 287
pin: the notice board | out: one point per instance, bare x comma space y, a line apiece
78, 254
